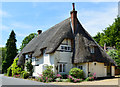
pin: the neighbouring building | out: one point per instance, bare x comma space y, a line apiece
67, 45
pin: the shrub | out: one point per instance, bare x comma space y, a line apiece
64, 76
16, 70
76, 73
64, 80
47, 75
72, 79
25, 74
16, 76
58, 80
29, 67
91, 77
9, 71
58, 76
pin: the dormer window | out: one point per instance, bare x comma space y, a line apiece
92, 50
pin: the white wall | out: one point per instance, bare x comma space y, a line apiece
113, 70
99, 69
46, 59
63, 57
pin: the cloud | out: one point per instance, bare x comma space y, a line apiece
4, 13
2, 45
96, 21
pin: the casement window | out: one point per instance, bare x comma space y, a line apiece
92, 50
65, 48
44, 67
61, 67
80, 67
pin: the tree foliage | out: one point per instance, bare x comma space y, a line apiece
27, 39
29, 67
111, 35
11, 51
2, 55
114, 55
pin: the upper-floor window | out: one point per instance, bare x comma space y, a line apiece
92, 50
65, 48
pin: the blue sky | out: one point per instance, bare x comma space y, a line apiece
27, 17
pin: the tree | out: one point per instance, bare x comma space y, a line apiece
27, 39
115, 54
29, 66
111, 35
11, 51
97, 37
2, 54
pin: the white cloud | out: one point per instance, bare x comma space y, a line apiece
2, 45
96, 21
4, 13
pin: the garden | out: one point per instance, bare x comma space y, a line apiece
75, 75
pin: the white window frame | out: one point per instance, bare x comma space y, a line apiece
64, 47
63, 68
92, 49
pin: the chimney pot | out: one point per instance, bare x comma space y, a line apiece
39, 32
73, 4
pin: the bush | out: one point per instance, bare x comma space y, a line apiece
72, 79
16, 76
29, 67
64, 80
47, 75
58, 80
91, 77
76, 73
64, 76
9, 71
16, 70
25, 74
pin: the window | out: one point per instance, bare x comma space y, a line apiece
44, 67
92, 49
61, 67
65, 48
80, 67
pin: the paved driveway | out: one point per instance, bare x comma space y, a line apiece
4, 80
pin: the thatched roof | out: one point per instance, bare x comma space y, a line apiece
52, 38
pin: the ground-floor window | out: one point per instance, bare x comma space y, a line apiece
61, 67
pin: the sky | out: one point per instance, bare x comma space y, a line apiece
28, 17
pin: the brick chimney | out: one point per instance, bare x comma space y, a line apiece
39, 32
74, 18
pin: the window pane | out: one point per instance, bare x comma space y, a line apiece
63, 67
60, 68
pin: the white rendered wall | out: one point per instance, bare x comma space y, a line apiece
46, 59
99, 69
63, 57
113, 70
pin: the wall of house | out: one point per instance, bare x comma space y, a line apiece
113, 70
98, 68
42, 61
63, 57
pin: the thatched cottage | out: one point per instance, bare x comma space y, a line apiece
67, 45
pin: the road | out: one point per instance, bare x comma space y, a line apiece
4, 80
